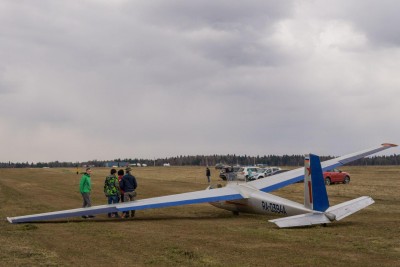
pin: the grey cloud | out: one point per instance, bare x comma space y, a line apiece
221, 14
242, 24
149, 79
378, 20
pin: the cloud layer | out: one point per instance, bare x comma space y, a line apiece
116, 79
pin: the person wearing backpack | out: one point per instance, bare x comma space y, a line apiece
112, 191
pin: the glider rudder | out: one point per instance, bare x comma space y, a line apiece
319, 194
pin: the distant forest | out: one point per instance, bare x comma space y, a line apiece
271, 160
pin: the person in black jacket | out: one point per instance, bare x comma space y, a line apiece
128, 184
208, 174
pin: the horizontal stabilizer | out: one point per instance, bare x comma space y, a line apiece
335, 213
349, 207
301, 220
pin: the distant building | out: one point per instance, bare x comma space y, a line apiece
114, 164
166, 165
136, 165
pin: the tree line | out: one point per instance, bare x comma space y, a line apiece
211, 160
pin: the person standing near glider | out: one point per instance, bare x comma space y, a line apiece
120, 175
128, 184
85, 187
208, 174
111, 190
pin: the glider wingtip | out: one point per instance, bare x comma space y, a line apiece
389, 145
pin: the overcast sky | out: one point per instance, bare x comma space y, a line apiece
100, 79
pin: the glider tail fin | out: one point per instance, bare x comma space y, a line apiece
315, 196
316, 199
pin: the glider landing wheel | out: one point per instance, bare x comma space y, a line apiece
328, 181
235, 213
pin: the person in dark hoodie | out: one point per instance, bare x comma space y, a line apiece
208, 174
128, 184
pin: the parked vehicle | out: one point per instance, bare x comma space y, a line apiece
243, 172
336, 176
219, 166
227, 170
266, 172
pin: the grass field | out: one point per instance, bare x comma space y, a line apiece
193, 235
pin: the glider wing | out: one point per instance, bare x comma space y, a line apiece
218, 194
275, 182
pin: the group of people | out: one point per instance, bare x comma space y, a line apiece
116, 188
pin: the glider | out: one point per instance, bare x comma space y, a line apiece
251, 197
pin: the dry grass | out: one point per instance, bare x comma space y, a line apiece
194, 235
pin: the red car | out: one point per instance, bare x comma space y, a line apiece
336, 176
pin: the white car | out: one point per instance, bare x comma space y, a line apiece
243, 173
265, 172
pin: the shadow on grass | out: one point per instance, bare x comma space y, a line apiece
335, 225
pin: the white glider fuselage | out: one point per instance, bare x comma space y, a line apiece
258, 202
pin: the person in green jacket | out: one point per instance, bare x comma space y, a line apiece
85, 186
